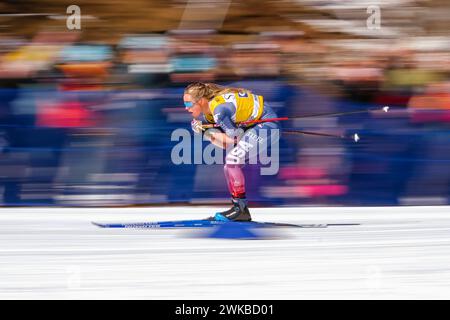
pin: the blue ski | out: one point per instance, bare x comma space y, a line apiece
205, 224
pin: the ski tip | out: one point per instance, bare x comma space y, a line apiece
98, 224
343, 224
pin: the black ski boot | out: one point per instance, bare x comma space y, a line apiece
238, 212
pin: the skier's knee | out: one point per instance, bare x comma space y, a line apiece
229, 166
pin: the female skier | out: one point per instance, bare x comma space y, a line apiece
230, 108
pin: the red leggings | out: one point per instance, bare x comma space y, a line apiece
235, 180
240, 155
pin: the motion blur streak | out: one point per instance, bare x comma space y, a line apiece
86, 115
396, 253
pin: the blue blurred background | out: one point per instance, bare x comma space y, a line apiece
86, 115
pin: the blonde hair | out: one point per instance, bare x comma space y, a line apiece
209, 91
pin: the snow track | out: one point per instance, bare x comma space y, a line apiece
56, 253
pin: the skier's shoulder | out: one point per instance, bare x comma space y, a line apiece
228, 99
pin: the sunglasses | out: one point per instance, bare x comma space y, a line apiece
188, 104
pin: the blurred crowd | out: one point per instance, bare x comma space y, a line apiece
89, 123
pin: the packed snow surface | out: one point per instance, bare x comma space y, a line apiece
395, 253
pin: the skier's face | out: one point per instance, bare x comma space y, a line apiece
193, 106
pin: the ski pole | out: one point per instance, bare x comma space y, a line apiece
354, 137
214, 125
385, 109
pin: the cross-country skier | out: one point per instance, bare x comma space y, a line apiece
210, 103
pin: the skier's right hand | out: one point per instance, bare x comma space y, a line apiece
196, 126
